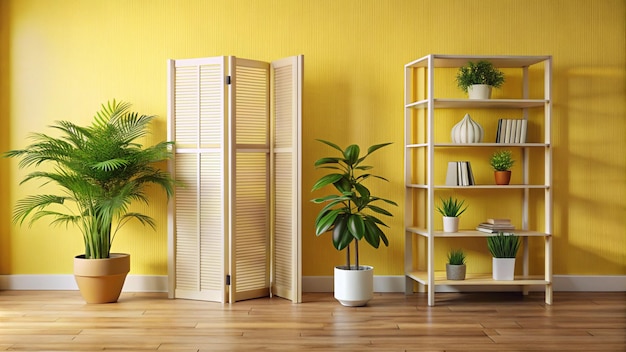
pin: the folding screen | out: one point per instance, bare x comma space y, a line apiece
234, 228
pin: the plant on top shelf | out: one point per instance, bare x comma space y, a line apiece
349, 215
479, 73
502, 162
451, 209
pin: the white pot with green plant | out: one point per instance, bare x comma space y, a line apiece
478, 78
502, 161
503, 248
451, 209
350, 216
455, 267
99, 170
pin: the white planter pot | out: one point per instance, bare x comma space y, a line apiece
450, 224
354, 288
503, 268
479, 91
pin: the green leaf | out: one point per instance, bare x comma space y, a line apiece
351, 154
326, 222
326, 180
356, 226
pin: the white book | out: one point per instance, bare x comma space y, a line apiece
518, 131
507, 131
470, 174
452, 178
523, 131
464, 174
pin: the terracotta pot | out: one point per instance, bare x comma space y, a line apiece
502, 177
101, 280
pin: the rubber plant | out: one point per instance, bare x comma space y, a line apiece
351, 214
99, 169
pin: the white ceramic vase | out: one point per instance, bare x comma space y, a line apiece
503, 268
479, 91
450, 224
467, 131
354, 288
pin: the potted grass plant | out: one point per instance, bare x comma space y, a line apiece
502, 161
455, 267
351, 214
99, 170
503, 248
478, 78
451, 209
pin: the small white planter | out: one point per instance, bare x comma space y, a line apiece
354, 288
503, 268
479, 91
450, 224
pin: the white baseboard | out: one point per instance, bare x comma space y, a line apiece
158, 283
133, 283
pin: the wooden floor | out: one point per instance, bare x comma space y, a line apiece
60, 321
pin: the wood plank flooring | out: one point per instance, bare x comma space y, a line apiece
60, 321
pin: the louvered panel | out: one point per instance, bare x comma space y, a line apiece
252, 122
211, 105
251, 221
283, 107
187, 251
186, 106
211, 220
286, 92
283, 224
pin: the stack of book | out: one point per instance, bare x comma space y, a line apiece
459, 174
511, 131
496, 225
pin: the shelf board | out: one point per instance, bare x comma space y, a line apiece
473, 145
479, 103
452, 61
476, 279
472, 233
490, 186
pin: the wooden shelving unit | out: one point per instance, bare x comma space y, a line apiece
421, 116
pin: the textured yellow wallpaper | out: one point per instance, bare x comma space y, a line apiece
65, 57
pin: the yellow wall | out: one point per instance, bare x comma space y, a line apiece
61, 58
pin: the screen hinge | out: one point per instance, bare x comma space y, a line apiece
227, 79
227, 280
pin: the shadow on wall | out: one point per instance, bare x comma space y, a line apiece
589, 170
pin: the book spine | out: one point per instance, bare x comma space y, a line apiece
523, 131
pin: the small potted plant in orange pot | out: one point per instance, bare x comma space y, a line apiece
502, 162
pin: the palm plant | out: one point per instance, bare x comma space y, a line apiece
100, 170
350, 214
